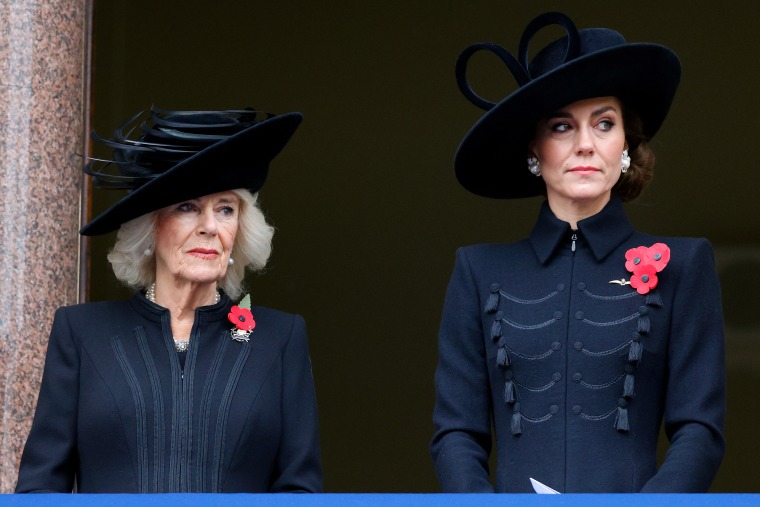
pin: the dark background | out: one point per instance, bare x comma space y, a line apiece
368, 212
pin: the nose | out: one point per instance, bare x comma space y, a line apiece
207, 224
584, 141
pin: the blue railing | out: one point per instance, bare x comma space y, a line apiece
381, 499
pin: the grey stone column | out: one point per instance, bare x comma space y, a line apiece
43, 79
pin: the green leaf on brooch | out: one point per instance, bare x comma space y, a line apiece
245, 302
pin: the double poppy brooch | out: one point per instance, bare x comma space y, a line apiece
644, 263
241, 316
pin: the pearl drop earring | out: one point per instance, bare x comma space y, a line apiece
625, 161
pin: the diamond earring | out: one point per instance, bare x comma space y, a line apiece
534, 166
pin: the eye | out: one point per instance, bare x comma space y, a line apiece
227, 211
606, 125
560, 127
185, 207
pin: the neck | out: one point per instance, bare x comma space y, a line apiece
573, 211
182, 298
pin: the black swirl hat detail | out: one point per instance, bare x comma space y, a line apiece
165, 157
593, 62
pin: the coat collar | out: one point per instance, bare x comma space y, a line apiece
603, 232
154, 312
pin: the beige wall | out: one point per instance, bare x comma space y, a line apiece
368, 212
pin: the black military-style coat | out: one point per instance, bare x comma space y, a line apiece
118, 412
575, 374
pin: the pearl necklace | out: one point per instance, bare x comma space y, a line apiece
180, 345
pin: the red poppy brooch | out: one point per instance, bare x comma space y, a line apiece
241, 316
644, 263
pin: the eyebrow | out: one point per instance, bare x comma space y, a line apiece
223, 200
597, 112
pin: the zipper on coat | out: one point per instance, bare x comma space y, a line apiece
574, 237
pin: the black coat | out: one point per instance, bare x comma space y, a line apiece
118, 413
575, 374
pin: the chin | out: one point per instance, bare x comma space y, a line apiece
204, 277
590, 193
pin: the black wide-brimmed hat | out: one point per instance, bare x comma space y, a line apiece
594, 62
165, 157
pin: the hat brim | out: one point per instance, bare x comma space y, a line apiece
491, 159
240, 161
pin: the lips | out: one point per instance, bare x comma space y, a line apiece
584, 170
203, 253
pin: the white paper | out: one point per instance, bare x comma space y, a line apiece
542, 489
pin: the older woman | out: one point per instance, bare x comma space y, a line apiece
178, 389
571, 347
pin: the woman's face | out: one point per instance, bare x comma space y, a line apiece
579, 148
194, 238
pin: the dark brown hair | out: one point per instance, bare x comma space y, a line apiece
641, 172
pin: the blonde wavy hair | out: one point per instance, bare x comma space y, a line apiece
136, 238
